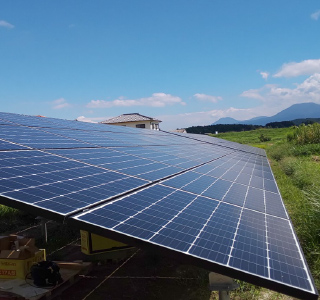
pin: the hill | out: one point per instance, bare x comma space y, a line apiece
226, 120
296, 111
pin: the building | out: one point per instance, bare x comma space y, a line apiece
134, 120
181, 130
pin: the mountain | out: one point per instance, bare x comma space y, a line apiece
226, 120
296, 111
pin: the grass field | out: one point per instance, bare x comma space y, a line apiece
252, 137
296, 168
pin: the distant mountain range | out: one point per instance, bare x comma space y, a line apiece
296, 111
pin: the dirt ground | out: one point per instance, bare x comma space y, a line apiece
143, 276
140, 275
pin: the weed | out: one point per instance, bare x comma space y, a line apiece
11, 218
306, 134
264, 138
279, 151
288, 165
304, 150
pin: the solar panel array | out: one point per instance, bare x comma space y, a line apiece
204, 199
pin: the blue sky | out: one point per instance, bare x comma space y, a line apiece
185, 62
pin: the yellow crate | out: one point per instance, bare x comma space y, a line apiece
92, 243
19, 268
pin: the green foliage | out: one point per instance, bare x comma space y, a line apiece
290, 137
264, 138
221, 128
288, 165
246, 291
282, 124
252, 137
306, 121
278, 152
305, 150
11, 219
306, 134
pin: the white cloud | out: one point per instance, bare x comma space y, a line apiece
264, 75
252, 93
156, 100
84, 119
204, 97
6, 24
293, 69
92, 119
315, 15
275, 98
60, 103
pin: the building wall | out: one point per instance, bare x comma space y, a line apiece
148, 124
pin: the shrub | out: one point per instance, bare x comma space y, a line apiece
301, 177
279, 151
306, 134
288, 165
290, 137
305, 150
263, 138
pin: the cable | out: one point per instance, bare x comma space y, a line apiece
141, 277
63, 247
106, 278
26, 229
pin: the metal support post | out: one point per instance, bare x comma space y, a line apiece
44, 231
224, 295
223, 284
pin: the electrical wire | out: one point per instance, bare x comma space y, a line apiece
74, 241
106, 278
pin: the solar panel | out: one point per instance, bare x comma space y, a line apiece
207, 201
58, 185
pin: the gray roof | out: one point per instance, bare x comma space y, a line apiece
133, 117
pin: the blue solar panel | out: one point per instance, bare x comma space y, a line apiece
217, 231
209, 201
51, 182
37, 138
5, 145
250, 251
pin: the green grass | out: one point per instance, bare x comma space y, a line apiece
306, 134
252, 137
11, 219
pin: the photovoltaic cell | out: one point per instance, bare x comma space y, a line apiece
236, 194
37, 138
255, 199
286, 264
39, 178
218, 189
4, 145
206, 199
184, 227
250, 249
274, 205
215, 240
